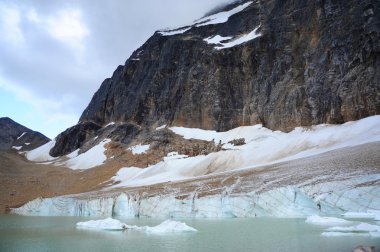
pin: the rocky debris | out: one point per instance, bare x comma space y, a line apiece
161, 144
237, 142
364, 249
314, 62
16, 136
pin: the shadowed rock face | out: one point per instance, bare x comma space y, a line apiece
73, 138
14, 134
315, 62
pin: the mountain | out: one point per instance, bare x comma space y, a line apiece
16, 136
203, 120
281, 64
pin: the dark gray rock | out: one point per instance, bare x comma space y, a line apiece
15, 134
316, 62
73, 138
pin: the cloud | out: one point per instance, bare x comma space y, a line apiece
10, 24
55, 54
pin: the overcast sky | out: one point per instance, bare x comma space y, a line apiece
55, 54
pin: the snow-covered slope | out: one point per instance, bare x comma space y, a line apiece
325, 169
89, 159
263, 147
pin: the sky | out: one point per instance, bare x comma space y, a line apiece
55, 54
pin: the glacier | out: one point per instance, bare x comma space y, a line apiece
288, 201
324, 170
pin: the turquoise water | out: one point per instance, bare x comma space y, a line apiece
18, 233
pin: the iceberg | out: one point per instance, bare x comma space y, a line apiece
104, 224
170, 226
363, 229
326, 221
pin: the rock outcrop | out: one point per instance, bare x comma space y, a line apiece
16, 136
309, 62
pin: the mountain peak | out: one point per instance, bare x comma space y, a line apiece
282, 65
16, 136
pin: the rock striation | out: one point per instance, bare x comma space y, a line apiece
16, 136
307, 62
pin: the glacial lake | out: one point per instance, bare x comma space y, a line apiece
19, 233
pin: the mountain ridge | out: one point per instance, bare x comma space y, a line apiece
16, 136
313, 62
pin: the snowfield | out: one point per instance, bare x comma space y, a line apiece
263, 147
41, 154
89, 159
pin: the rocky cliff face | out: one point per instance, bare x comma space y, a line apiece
19, 137
279, 63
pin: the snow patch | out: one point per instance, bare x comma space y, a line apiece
161, 127
216, 39
73, 154
221, 17
139, 149
26, 143
219, 40
111, 123
125, 174
174, 32
326, 221
41, 154
21, 135
91, 158
17, 147
240, 40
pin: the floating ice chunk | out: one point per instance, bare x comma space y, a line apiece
221, 17
17, 147
170, 226
359, 215
91, 158
326, 221
41, 154
21, 135
376, 213
375, 234
139, 149
104, 224
362, 227
174, 31
337, 234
